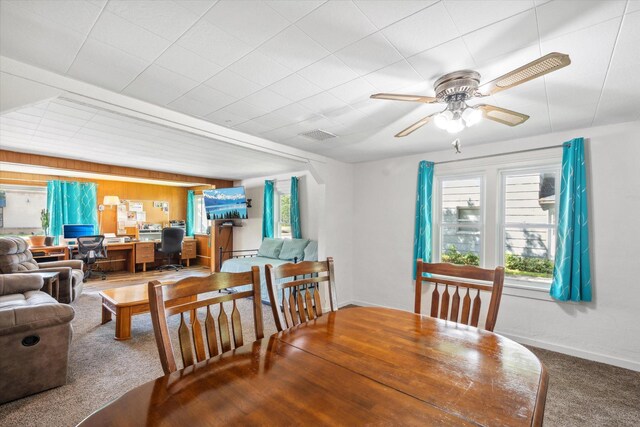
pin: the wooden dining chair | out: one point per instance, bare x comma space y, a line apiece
191, 335
447, 305
299, 286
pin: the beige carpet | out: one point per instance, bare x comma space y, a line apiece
581, 393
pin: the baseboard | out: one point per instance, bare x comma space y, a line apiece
575, 352
571, 351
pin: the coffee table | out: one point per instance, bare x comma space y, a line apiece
129, 301
51, 283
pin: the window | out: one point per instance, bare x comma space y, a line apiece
201, 222
500, 211
460, 220
528, 225
284, 221
21, 208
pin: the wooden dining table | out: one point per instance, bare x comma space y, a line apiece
356, 366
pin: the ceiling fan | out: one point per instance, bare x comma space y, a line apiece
455, 89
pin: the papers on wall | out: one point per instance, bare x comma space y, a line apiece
141, 216
136, 207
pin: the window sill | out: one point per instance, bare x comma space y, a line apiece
527, 290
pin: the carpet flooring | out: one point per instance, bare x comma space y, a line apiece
581, 392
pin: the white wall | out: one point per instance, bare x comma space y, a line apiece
326, 215
250, 235
606, 329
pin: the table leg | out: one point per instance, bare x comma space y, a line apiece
49, 287
123, 323
106, 314
55, 288
132, 260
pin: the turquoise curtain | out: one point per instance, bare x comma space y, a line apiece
191, 212
572, 270
71, 203
294, 210
422, 231
267, 210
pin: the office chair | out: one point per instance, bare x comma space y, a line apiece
91, 249
170, 245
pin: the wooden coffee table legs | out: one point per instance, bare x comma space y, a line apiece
123, 319
124, 313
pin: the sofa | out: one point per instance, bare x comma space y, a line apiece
35, 335
272, 251
15, 257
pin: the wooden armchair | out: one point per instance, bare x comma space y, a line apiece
447, 306
301, 299
191, 336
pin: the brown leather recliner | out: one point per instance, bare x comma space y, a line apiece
35, 334
15, 257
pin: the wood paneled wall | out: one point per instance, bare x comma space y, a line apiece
92, 167
176, 196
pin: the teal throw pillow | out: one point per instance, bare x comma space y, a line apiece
293, 248
270, 248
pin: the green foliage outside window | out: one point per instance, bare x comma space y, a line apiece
454, 257
285, 203
528, 266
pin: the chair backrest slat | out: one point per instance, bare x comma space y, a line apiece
455, 305
196, 346
236, 326
185, 342
223, 325
303, 281
445, 302
210, 329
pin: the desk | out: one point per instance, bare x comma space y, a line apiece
46, 253
356, 366
146, 253
114, 254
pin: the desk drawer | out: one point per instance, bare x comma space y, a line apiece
145, 252
188, 249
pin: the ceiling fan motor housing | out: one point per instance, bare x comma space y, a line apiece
457, 86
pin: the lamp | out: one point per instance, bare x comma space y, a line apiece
110, 201
457, 116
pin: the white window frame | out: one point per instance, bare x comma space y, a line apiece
503, 173
276, 211
489, 168
203, 215
436, 214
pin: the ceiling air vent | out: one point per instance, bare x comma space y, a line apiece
318, 135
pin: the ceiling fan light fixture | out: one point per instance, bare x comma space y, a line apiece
471, 116
455, 125
442, 119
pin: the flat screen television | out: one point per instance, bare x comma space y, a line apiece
225, 203
73, 231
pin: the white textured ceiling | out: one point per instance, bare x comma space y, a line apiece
65, 128
278, 68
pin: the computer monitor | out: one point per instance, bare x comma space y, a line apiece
73, 231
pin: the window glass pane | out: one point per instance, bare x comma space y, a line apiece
200, 225
460, 232
460, 245
529, 252
530, 198
461, 200
285, 221
20, 208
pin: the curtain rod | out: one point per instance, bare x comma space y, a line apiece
568, 144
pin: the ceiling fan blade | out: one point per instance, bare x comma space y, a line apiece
417, 125
541, 66
502, 115
399, 97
